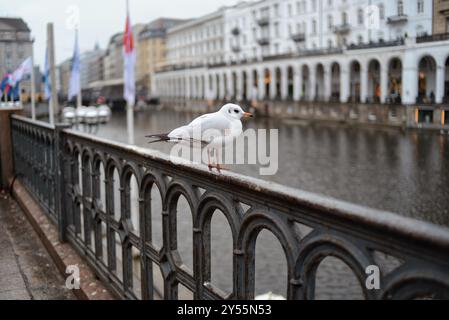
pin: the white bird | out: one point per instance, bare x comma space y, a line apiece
211, 130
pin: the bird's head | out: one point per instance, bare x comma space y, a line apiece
234, 111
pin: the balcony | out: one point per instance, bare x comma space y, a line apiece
344, 28
278, 57
263, 41
433, 38
400, 18
235, 31
263, 21
380, 44
318, 52
299, 37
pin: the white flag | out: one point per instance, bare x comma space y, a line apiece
21, 71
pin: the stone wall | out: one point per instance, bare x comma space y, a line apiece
353, 113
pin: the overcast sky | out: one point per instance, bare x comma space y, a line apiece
99, 19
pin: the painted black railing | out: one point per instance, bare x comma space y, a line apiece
97, 215
34, 161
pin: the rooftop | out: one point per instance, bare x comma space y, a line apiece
13, 24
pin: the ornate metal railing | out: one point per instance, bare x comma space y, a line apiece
92, 215
433, 37
34, 160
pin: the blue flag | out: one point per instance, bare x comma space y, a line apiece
47, 82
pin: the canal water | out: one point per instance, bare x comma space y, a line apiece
402, 171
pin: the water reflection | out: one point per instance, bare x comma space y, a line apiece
401, 171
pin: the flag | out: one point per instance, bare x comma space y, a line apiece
129, 56
47, 80
74, 85
6, 83
21, 71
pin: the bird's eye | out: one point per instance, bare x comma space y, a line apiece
236, 111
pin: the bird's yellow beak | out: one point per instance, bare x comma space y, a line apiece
247, 115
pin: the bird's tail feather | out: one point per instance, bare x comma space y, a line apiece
159, 137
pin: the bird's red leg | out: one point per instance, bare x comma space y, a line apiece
217, 157
219, 167
208, 159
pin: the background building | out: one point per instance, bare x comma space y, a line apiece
15, 46
151, 52
63, 74
296, 54
440, 16
90, 66
198, 41
274, 27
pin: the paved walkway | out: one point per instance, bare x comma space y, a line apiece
27, 272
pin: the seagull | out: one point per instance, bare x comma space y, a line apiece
226, 123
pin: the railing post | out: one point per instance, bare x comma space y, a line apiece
6, 147
60, 180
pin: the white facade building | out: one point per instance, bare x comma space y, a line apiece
316, 50
272, 27
197, 41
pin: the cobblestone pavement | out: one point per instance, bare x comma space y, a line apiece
27, 272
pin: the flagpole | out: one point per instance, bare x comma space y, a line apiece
129, 102
20, 95
130, 121
53, 105
33, 86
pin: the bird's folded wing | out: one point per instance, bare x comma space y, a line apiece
209, 122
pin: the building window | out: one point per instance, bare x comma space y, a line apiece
276, 10
420, 6
314, 28
381, 12
360, 16
420, 31
400, 7
344, 18
330, 22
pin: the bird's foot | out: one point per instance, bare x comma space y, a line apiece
216, 166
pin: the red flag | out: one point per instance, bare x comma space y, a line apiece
128, 40
129, 90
